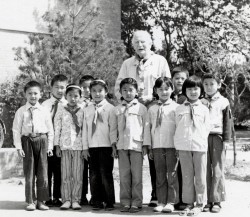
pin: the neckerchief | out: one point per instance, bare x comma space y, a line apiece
125, 112
74, 116
160, 113
97, 116
31, 110
191, 106
54, 109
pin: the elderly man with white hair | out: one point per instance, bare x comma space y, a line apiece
145, 67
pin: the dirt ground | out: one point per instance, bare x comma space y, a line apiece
237, 186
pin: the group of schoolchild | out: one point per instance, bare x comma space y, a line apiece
188, 123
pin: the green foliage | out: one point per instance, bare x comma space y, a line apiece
68, 48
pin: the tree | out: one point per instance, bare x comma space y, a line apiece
67, 48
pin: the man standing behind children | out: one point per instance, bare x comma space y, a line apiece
33, 137
58, 87
220, 133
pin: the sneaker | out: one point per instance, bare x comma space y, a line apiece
180, 206
186, 211
134, 209
153, 202
56, 202
125, 209
31, 207
66, 205
196, 210
159, 208
168, 208
216, 208
76, 206
49, 203
42, 206
84, 201
207, 207
109, 207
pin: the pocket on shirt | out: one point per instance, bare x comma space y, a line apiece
137, 138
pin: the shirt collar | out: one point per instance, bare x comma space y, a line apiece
28, 105
134, 101
216, 96
137, 59
62, 100
165, 103
100, 104
198, 102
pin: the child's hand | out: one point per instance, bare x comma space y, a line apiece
144, 150
114, 151
85, 154
58, 151
150, 154
226, 145
21, 152
50, 153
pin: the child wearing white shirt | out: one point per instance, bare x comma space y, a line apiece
96, 138
159, 136
128, 119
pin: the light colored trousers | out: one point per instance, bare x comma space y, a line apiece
194, 172
72, 172
130, 170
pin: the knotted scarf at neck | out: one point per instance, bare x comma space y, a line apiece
73, 111
97, 117
54, 109
160, 113
191, 106
125, 113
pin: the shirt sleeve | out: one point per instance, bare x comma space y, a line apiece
85, 143
17, 129
144, 118
227, 123
165, 69
58, 126
113, 124
49, 125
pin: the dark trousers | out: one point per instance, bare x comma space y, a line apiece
179, 175
101, 165
85, 179
215, 169
54, 173
35, 168
153, 178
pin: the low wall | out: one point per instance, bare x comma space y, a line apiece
11, 165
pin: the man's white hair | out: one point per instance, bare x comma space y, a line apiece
144, 34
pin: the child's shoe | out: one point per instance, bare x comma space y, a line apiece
42, 206
153, 202
216, 207
134, 209
168, 208
196, 210
84, 201
66, 205
159, 208
49, 203
76, 206
98, 206
207, 207
109, 207
57, 202
186, 211
125, 209
31, 207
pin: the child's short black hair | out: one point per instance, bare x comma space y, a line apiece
158, 83
99, 82
59, 77
180, 69
73, 87
32, 84
131, 81
86, 78
193, 81
216, 77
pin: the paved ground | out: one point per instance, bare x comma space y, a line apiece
12, 197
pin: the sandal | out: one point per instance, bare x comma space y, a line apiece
216, 208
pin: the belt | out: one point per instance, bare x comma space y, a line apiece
34, 135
